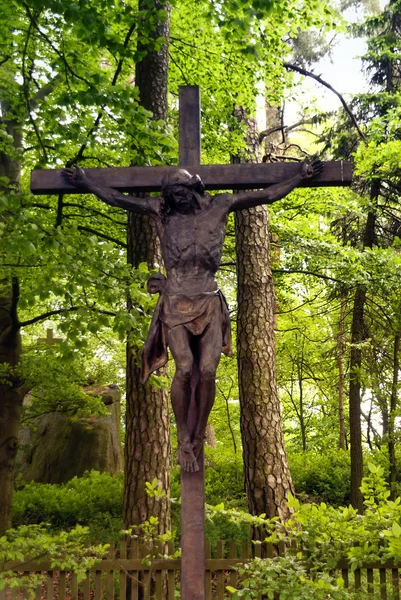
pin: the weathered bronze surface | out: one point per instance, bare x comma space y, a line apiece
191, 317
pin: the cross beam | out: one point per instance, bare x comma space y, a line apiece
215, 177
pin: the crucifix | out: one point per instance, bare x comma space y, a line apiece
191, 317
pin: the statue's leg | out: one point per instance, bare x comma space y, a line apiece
210, 345
179, 343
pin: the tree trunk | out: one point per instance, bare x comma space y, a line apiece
147, 442
11, 390
267, 477
11, 396
341, 375
357, 338
266, 472
301, 406
393, 408
147, 449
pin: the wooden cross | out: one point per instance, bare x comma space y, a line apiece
49, 339
215, 177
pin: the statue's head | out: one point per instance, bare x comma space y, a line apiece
180, 190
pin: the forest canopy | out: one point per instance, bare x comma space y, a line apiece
95, 84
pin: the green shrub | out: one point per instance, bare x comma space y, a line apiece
321, 477
94, 500
67, 550
317, 537
224, 479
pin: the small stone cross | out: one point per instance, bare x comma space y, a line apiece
49, 339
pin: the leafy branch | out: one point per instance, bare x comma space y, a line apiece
61, 311
317, 78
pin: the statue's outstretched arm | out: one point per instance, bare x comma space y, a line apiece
278, 190
78, 177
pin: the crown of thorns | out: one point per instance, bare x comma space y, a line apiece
182, 177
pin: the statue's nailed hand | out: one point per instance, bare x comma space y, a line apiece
76, 176
309, 170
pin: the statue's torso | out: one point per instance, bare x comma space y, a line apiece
192, 246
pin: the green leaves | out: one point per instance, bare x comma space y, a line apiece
66, 551
317, 537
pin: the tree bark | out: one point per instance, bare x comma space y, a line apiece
357, 338
11, 390
147, 448
267, 476
266, 472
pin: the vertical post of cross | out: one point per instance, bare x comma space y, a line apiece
192, 484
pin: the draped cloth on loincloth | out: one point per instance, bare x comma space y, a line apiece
194, 313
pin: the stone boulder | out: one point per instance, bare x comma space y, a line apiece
58, 447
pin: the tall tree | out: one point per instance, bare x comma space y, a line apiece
382, 62
147, 448
11, 389
266, 472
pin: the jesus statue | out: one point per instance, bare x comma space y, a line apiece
191, 316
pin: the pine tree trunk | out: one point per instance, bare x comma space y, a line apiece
267, 477
357, 338
266, 472
11, 391
147, 448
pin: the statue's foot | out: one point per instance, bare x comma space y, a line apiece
197, 445
186, 458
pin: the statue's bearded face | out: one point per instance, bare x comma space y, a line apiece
181, 198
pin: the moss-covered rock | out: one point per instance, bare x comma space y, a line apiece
58, 447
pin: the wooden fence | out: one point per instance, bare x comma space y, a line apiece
125, 569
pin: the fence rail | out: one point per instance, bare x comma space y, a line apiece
124, 574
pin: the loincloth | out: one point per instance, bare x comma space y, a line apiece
192, 312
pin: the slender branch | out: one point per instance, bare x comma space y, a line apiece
94, 211
15, 296
281, 157
368, 420
102, 162
48, 314
26, 90
39, 205
95, 125
179, 68
226, 397
317, 78
53, 47
60, 311
102, 235
48, 412
43, 92
29, 148
320, 275
310, 132
292, 145
283, 128
59, 216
